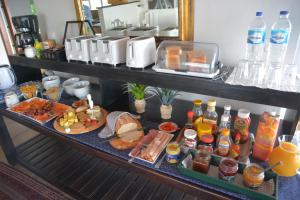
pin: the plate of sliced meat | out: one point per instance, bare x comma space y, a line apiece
151, 146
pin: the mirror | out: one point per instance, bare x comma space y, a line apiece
134, 18
163, 19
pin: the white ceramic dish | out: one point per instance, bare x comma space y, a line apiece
81, 89
51, 81
68, 85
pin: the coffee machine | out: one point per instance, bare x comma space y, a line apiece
27, 30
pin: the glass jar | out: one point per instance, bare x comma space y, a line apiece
228, 168
198, 112
210, 115
190, 141
172, 153
207, 140
11, 98
202, 159
253, 175
242, 124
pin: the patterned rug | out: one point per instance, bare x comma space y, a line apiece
15, 185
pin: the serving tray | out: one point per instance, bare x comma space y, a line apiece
100, 123
268, 190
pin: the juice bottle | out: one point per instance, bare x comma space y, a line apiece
265, 135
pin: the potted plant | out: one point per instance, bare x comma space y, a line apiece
166, 98
138, 92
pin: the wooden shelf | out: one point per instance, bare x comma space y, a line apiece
183, 83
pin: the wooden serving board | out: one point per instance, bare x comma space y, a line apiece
101, 122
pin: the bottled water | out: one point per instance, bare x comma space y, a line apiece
256, 38
279, 38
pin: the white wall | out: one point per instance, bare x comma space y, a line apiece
226, 23
3, 55
52, 15
19, 7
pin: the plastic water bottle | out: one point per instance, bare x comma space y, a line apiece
279, 39
256, 38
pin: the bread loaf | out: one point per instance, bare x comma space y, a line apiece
126, 123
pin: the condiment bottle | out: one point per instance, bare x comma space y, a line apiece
265, 135
190, 141
242, 124
210, 115
224, 123
198, 112
234, 151
224, 143
189, 123
203, 129
227, 109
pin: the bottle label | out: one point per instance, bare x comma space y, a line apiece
279, 36
223, 148
256, 36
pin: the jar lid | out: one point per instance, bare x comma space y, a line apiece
207, 138
224, 118
244, 113
211, 102
173, 148
197, 102
225, 132
227, 107
190, 133
204, 128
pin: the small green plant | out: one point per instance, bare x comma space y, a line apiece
165, 96
136, 90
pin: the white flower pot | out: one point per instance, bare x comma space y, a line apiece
140, 106
166, 111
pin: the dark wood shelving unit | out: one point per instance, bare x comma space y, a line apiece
149, 77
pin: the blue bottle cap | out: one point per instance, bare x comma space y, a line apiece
284, 12
259, 14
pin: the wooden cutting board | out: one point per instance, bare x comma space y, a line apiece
100, 123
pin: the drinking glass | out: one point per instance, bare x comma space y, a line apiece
242, 74
273, 77
289, 77
257, 73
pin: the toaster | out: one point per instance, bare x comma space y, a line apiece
140, 52
77, 48
110, 50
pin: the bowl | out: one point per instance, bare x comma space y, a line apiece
53, 93
68, 85
81, 89
29, 89
50, 81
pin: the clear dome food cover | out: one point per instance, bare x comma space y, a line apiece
187, 58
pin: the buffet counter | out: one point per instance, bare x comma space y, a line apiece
169, 174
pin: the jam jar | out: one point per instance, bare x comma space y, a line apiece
190, 141
207, 140
172, 153
202, 159
228, 168
242, 124
253, 176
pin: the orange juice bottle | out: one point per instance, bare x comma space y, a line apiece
265, 135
